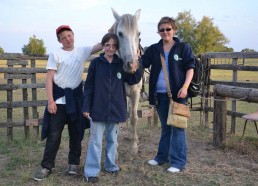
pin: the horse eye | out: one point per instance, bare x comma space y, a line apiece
120, 34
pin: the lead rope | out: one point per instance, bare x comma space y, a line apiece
144, 94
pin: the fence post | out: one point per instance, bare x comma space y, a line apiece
219, 119
233, 106
204, 114
34, 98
9, 110
25, 109
155, 117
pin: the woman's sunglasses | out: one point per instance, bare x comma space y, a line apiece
165, 29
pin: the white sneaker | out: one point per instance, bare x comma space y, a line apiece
173, 170
153, 162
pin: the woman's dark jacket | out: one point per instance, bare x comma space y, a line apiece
104, 90
177, 68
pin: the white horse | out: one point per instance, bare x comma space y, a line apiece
126, 28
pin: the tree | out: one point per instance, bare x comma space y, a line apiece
248, 50
208, 37
1, 50
202, 36
34, 47
186, 25
227, 49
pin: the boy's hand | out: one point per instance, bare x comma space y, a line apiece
51, 107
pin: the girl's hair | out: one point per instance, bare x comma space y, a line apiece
168, 20
109, 36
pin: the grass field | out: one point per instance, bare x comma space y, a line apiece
234, 163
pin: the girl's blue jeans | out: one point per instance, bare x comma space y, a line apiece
93, 158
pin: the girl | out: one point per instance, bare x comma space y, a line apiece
105, 103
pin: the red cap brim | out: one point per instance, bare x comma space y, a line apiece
62, 27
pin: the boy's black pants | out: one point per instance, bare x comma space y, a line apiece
56, 126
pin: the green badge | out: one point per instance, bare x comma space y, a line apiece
119, 75
176, 57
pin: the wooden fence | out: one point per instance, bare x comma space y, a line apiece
21, 74
221, 92
238, 63
23, 68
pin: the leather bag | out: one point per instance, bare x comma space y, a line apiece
178, 117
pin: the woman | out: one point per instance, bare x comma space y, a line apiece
172, 144
105, 103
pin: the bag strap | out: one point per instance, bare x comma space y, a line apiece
166, 76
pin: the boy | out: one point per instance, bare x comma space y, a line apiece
64, 92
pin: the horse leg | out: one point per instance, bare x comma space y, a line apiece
129, 111
134, 120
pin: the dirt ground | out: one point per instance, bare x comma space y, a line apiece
206, 164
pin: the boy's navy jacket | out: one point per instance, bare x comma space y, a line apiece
177, 68
74, 100
104, 89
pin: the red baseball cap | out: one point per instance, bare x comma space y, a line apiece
61, 28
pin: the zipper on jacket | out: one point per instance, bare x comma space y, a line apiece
110, 88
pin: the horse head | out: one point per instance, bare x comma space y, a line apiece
126, 28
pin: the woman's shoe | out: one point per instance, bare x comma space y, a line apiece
153, 162
173, 170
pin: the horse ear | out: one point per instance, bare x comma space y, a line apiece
112, 28
137, 14
115, 14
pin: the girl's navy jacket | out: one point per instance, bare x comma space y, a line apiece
104, 89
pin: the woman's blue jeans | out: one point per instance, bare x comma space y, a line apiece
93, 159
172, 144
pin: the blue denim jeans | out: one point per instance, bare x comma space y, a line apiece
92, 165
172, 144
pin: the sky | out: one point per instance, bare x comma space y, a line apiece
90, 20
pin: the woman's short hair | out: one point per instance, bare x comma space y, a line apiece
168, 20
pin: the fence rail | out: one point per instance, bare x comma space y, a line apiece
23, 69
20, 74
221, 92
235, 67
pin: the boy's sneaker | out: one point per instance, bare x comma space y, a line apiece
92, 179
41, 173
73, 169
153, 162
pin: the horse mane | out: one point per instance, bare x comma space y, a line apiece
129, 22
